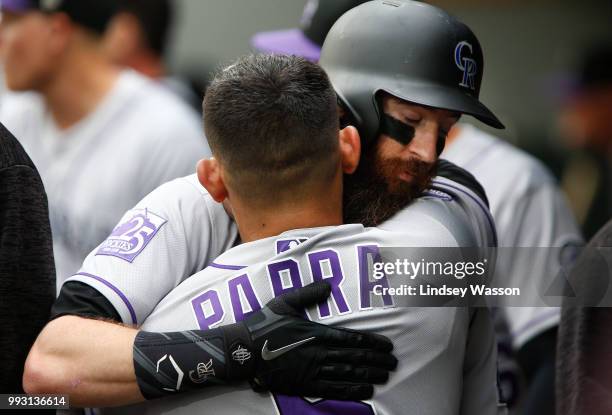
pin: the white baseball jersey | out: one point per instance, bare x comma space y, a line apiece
529, 211
138, 137
179, 229
447, 352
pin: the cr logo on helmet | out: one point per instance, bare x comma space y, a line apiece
467, 65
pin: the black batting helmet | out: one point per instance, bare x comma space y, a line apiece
411, 50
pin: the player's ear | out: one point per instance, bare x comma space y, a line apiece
209, 175
60, 29
350, 149
121, 37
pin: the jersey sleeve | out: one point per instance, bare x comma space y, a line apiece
174, 149
171, 234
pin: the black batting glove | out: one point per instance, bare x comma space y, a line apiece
275, 349
294, 356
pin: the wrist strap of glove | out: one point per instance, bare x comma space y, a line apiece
239, 346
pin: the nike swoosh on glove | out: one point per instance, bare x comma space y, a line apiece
295, 356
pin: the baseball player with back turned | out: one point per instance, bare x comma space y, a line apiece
114, 279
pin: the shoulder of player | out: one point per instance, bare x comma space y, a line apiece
452, 179
158, 107
19, 109
428, 221
21, 101
523, 164
183, 197
509, 160
12, 153
192, 285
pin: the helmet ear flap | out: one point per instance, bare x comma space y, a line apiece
379, 103
346, 116
349, 116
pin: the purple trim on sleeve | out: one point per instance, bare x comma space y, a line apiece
230, 267
116, 290
438, 194
479, 202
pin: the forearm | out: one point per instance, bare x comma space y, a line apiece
90, 360
99, 364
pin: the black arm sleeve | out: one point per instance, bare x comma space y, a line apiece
78, 299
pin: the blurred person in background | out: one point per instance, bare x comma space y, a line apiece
585, 121
584, 365
102, 138
307, 39
137, 38
584, 385
529, 211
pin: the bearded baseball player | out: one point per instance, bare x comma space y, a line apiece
282, 250
526, 203
163, 240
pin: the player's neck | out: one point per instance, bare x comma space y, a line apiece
148, 65
254, 224
80, 84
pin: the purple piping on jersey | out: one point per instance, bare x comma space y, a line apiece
479, 203
535, 322
116, 290
232, 267
437, 196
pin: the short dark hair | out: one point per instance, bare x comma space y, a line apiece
272, 121
94, 15
155, 18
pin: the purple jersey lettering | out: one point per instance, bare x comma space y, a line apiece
242, 283
290, 405
333, 275
208, 309
366, 286
278, 273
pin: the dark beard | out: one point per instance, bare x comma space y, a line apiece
370, 200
